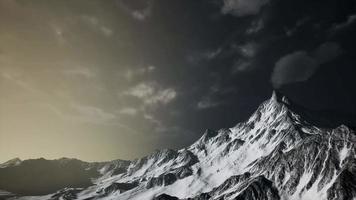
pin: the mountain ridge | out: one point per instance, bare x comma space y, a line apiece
275, 154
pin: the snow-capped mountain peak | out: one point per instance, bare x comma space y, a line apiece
275, 154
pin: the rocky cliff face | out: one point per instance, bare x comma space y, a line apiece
274, 155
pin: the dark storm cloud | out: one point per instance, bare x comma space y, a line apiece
300, 65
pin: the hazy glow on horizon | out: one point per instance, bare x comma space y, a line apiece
69, 87
102, 80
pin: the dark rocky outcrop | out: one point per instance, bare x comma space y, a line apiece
165, 197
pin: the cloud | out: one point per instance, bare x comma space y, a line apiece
163, 96
206, 103
214, 97
255, 27
350, 20
152, 94
205, 55
80, 71
298, 24
300, 66
131, 73
59, 34
128, 111
97, 25
151, 68
294, 67
161, 128
142, 91
241, 66
152, 119
242, 8
139, 13
106, 31
91, 114
85, 114
248, 50
18, 80
211, 54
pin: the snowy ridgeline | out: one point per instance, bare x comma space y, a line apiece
273, 155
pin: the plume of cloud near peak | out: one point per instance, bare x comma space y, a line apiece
294, 67
299, 66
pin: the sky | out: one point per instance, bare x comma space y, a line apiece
101, 80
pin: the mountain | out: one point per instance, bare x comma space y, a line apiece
275, 155
10, 163
41, 176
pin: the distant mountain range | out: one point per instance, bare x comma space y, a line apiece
275, 155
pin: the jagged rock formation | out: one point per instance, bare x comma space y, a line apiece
274, 155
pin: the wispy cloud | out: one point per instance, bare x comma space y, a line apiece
152, 94
350, 20
128, 111
207, 102
59, 33
133, 73
97, 25
140, 14
213, 98
21, 83
80, 71
91, 114
160, 127
241, 65
255, 27
291, 31
243, 7
248, 49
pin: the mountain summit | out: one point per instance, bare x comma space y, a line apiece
274, 155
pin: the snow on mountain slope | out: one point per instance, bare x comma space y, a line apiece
10, 163
275, 154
